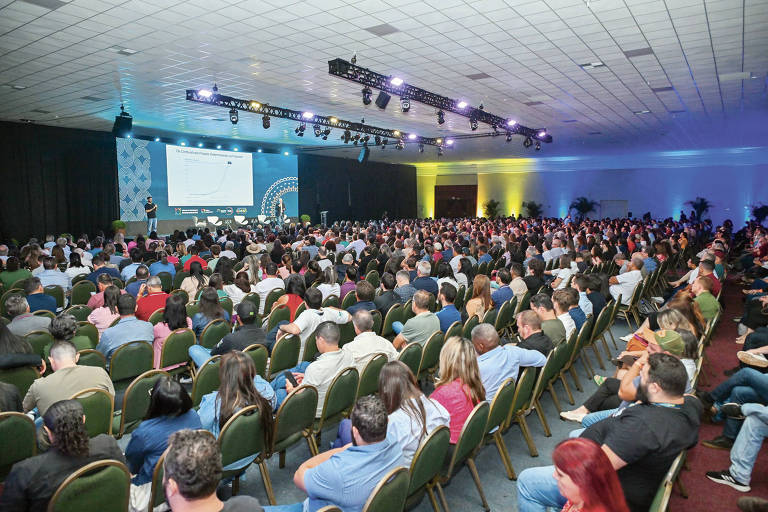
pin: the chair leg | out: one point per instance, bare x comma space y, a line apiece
542, 418
441, 494
267, 482
555, 399
613, 340
680, 487
432, 499
567, 389
605, 346
576, 381
236, 485
587, 365
312, 442
527, 434
476, 478
598, 356
504, 455
281, 464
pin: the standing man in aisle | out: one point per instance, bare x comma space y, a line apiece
151, 209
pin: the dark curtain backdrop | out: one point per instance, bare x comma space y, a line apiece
350, 190
56, 180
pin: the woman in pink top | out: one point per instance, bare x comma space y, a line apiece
174, 317
459, 388
103, 317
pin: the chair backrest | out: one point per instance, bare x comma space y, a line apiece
295, 415
206, 379
81, 292
272, 296
17, 440
523, 393
349, 299
340, 396
157, 494
331, 301
242, 435
470, 324
157, 316
279, 314
118, 282
299, 310
603, 321
472, 434
57, 292
176, 347
430, 354
136, 401
429, 457
98, 406
407, 311
502, 318
373, 278
390, 493
92, 357
524, 303
131, 360
459, 302
285, 354
39, 340
254, 298
369, 379
259, 355
377, 321
501, 405
21, 377
490, 316
411, 356
393, 315
92, 487
227, 304
192, 308
453, 330
89, 330
79, 311
214, 332
184, 294
166, 279
310, 348
178, 278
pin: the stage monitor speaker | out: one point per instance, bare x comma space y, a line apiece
363, 158
382, 100
123, 125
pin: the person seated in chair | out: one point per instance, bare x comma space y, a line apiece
37, 298
404, 289
552, 326
97, 299
387, 298
128, 329
423, 281
448, 313
150, 298
418, 328
129, 271
562, 304
33, 481
367, 343
52, 276
364, 293
248, 332
529, 330
142, 274
22, 320
100, 267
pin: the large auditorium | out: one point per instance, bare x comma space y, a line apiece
383, 256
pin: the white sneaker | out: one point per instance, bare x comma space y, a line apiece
572, 416
658, 300
751, 359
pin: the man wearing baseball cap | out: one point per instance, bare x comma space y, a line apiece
247, 332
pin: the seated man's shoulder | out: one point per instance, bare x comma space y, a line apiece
242, 504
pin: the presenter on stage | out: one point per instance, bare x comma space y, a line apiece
151, 209
280, 211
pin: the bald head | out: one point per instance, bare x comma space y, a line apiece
485, 338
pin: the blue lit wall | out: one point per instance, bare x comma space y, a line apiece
732, 179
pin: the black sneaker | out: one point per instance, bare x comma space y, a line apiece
732, 410
724, 477
706, 399
719, 443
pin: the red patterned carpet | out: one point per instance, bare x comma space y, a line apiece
703, 494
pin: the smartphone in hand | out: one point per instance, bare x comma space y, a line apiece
290, 378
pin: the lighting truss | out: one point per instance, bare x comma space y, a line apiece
255, 107
360, 75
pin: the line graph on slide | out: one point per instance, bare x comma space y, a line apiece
208, 178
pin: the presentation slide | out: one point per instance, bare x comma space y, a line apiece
187, 182
208, 177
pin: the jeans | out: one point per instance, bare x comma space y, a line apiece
271, 336
397, 327
744, 451
294, 507
537, 490
151, 225
278, 383
199, 354
745, 386
594, 417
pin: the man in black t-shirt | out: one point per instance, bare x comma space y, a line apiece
641, 442
151, 210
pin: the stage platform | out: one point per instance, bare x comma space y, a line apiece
167, 227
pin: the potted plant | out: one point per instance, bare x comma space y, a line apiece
760, 212
118, 226
700, 205
533, 209
583, 206
491, 208
305, 219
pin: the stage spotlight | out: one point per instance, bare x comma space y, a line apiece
511, 122
537, 147
461, 104
233, 116
421, 148
265, 122
439, 142
199, 144
218, 146
259, 150
129, 136
396, 133
527, 142
255, 105
286, 153
318, 130
382, 100
205, 93
509, 137
366, 139
439, 150
384, 143
473, 122
396, 81
300, 130
495, 129
440, 117
542, 134
235, 148
367, 92
412, 136
449, 142
307, 115
333, 120
182, 143
326, 133
405, 104
157, 139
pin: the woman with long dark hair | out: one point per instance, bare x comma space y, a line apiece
174, 317
196, 280
534, 279
103, 317
208, 310
239, 288
294, 295
329, 285
170, 410
33, 481
586, 478
466, 273
76, 267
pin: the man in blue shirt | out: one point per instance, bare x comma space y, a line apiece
142, 274
482, 255
423, 281
568, 299
649, 262
448, 314
130, 270
364, 293
504, 293
128, 329
346, 476
497, 363
36, 297
100, 267
52, 276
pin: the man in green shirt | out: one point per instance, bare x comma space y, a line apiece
420, 327
550, 324
702, 290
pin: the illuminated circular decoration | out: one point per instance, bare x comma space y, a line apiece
277, 190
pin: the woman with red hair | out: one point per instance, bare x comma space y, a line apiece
586, 478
